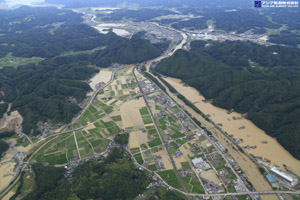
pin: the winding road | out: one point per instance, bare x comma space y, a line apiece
17, 178
148, 64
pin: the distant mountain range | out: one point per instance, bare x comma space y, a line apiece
166, 3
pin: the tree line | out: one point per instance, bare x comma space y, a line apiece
261, 81
114, 177
52, 89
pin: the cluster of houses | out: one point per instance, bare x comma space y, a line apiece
18, 159
158, 162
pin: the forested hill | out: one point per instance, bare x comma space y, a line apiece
46, 32
26, 17
128, 51
158, 3
263, 82
52, 89
42, 92
115, 177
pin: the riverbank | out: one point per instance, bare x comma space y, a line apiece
250, 169
266, 146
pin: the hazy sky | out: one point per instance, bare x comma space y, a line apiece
25, 2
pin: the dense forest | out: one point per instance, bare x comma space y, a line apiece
25, 18
128, 51
286, 37
39, 39
7, 134
192, 24
249, 78
240, 20
290, 34
3, 109
122, 138
115, 177
286, 16
166, 3
42, 92
164, 194
3, 147
139, 15
51, 89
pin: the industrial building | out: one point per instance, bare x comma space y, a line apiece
283, 176
200, 163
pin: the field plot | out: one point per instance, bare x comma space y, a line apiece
192, 183
210, 175
59, 151
85, 148
185, 141
170, 177
138, 158
96, 140
63, 149
147, 155
28, 184
185, 165
103, 118
217, 161
130, 114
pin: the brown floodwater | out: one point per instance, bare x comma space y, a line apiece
103, 76
251, 134
247, 165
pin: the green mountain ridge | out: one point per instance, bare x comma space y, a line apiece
127, 51
268, 91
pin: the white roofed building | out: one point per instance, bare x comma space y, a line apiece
282, 175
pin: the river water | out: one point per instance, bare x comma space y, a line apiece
251, 134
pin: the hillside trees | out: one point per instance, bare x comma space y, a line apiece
249, 78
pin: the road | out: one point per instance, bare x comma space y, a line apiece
17, 178
159, 133
215, 195
93, 97
173, 49
12, 184
226, 160
76, 145
167, 54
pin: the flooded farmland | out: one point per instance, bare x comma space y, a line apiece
103, 76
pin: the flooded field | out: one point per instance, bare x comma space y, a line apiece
7, 165
6, 174
133, 140
211, 176
104, 28
130, 113
251, 134
9, 195
11, 122
103, 76
165, 159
